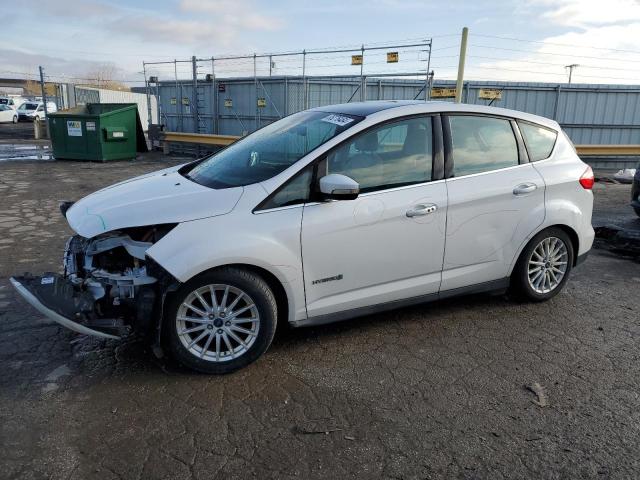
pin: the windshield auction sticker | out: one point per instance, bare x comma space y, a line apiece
339, 120
74, 128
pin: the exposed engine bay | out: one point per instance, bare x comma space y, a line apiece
108, 286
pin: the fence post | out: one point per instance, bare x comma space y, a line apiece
304, 80
214, 98
178, 95
363, 85
286, 97
255, 86
194, 96
427, 90
557, 103
146, 89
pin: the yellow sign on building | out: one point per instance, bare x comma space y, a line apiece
228, 102
443, 92
490, 94
262, 102
392, 57
356, 59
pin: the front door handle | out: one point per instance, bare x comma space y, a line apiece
420, 210
524, 188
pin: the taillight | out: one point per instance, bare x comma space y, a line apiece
587, 179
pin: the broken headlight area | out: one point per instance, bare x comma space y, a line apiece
109, 286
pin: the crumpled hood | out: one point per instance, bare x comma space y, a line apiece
160, 197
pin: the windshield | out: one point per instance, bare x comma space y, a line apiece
270, 150
28, 106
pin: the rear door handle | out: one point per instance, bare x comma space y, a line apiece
524, 188
421, 210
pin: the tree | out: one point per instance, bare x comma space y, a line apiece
104, 76
32, 88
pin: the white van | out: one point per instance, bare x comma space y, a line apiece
34, 111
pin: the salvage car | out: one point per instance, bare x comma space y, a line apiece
324, 215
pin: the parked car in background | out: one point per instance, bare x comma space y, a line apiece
327, 214
635, 191
12, 101
8, 114
30, 111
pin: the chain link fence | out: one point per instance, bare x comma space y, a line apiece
235, 95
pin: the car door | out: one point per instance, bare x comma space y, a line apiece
496, 199
388, 244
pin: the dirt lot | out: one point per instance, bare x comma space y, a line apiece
436, 391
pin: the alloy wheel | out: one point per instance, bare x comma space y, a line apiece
217, 322
547, 265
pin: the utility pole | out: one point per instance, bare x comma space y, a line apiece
44, 92
463, 56
571, 67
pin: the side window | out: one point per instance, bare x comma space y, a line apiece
481, 144
296, 191
392, 155
539, 140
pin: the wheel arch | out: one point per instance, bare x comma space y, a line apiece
570, 231
283, 298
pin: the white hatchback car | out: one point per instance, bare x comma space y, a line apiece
8, 114
327, 214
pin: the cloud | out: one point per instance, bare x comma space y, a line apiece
233, 15
20, 64
585, 13
604, 54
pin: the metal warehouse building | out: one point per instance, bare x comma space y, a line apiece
590, 113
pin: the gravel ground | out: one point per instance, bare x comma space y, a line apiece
436, 391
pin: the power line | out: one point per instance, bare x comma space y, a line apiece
636, 52
552, 64
554, 53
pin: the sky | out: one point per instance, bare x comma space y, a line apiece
524, 40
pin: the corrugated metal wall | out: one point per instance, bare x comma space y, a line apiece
590, 114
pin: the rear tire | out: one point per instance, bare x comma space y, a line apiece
544, 266
220, 321
15, 119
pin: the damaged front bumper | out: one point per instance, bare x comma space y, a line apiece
57, 299
105, 290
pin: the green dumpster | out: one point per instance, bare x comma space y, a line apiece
97, 131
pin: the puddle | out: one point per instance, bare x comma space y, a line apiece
15, 152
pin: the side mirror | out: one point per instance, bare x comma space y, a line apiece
339, 187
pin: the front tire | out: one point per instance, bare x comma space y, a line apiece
544, 266
220, 321
15, 119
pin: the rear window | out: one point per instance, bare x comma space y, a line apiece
28, 106
540, 140
481, 144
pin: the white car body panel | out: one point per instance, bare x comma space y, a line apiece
6, 116
379, 254
269, 240
486, 223
163, 197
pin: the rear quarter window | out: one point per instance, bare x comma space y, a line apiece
539, 140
